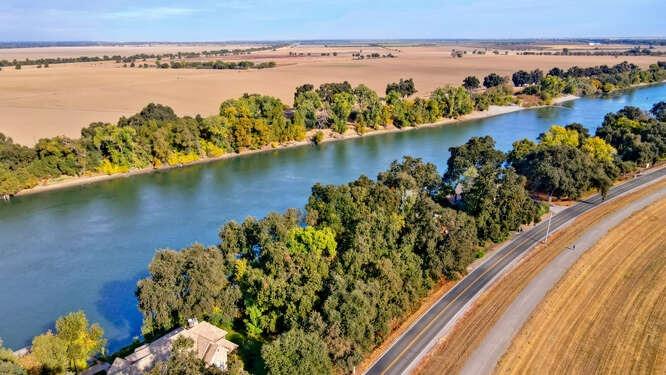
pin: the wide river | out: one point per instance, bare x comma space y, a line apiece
85, 247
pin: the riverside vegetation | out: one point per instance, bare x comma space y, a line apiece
315, 291
157, 137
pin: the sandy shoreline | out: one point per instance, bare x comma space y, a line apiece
67, 182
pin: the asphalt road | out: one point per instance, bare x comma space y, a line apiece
405, 352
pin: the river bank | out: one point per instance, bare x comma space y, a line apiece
329, 136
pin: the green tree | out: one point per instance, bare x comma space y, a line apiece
659, 111
405, 87
327, 91
297, 352
341, 108
521, 78
551, 86
477, 152
492, 80
186, 284
598, 149
453, 101
51, 352
307, 107
302, 89
558, 135
497, 198
520, 149
81, 339
471, 83
561, 171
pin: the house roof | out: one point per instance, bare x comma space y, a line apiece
208, 339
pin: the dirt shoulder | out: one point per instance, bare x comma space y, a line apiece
451, 354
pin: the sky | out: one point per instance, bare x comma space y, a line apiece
207, 20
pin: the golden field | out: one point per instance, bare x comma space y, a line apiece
62, 99
608, 315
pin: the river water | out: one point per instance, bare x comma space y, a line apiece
85, 247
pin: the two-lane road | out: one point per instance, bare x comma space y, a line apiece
419, 338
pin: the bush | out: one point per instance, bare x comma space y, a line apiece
318, 137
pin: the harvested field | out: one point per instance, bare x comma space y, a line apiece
60, 100
608, 314
451, 354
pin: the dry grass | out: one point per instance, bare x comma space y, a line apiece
608, 314
450, 355
62, 99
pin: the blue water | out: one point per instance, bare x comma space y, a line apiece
85, 247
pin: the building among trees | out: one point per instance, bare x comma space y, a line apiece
209, 346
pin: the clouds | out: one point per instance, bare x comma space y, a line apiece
206, 20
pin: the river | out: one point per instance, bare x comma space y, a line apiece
85, 247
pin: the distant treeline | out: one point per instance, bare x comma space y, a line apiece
134, 58
320, 288
241, 65
156, 136
636, 51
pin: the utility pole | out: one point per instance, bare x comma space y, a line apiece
548, 228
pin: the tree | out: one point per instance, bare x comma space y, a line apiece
296, 352
9, 364
327, 91
471, 83
551, 86
659, 111
583, 133
371, 109
536, 76
405, 87
80, 339
51, 352
302, 89
191, 283
307, 106
498, 200
598, 149
152, 111
492, 80
453, 101
561, 171
477, 152
520, 149
521, 78
341, 108
558, 135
